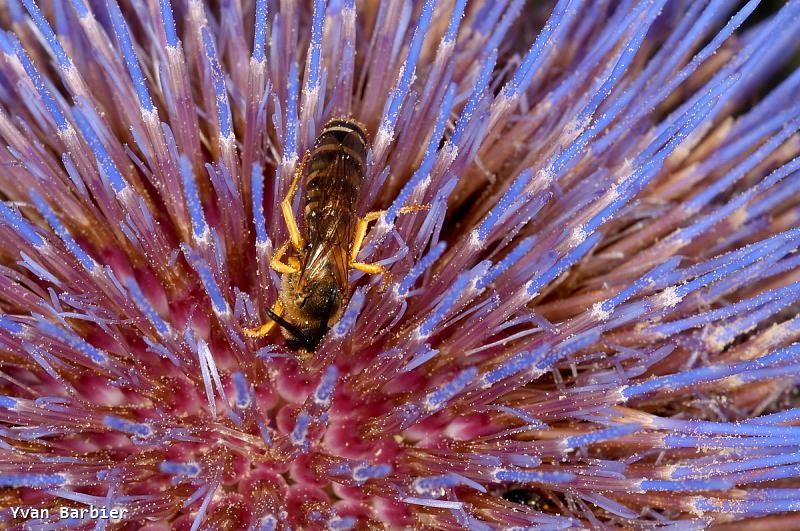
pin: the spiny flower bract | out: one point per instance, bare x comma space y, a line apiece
593, 325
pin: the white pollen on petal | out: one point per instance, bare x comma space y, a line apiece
418, 336
578, 236
475, 240
448, 153
68, 135
150, 118
383, 137
598, 313
545, 176
613, 193
669, 297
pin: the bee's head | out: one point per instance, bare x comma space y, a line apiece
299, 336
310, 313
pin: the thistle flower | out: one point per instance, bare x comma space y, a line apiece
593, 325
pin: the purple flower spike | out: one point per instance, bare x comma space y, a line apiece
575, 305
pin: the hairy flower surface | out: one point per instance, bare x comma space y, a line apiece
593, 325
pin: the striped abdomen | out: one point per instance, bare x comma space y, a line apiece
336, 169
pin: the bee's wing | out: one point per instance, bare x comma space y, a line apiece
330, 222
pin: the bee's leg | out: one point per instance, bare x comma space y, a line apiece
286, 206
363, 224
413, 208
361, 232
264, 329
373, 269
282, 267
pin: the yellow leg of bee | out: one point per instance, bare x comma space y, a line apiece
373, 269
358, 241
286, 206
264, 329
282, 267
363, 224
361, 232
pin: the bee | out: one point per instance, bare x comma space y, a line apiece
314, 284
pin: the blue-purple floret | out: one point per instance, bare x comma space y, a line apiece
290, 137
260, 31
47, 31
200, 228
104, 161
41, 88
134, 428
482, 81
129, 55
220, 91
430, 156
392, 109
35, 481
60, 229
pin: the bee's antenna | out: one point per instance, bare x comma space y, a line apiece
306, 341
283, 323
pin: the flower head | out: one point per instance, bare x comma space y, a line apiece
594, 322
